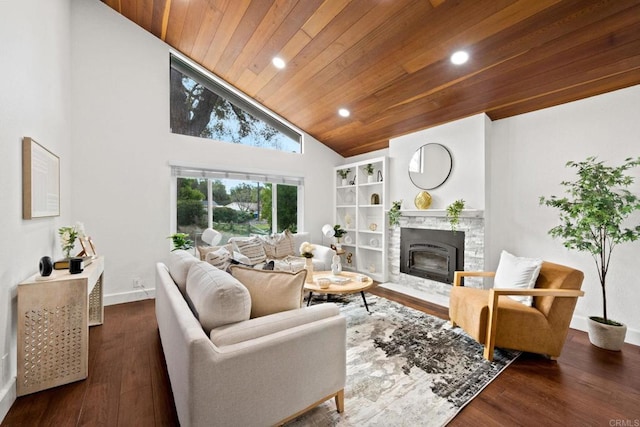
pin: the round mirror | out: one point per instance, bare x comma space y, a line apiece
430, 166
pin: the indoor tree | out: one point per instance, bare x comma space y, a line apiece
593, 214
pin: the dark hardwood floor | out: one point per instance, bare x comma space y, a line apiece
128, 384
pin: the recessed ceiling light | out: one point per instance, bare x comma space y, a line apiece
460, 57
278, 62
344, 112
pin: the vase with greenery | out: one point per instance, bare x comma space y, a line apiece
344, 173
181, 241
592, 219
368, 169
68, 236
306, 250
395, 213
453, 213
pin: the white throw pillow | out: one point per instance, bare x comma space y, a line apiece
251, 248
271, 291
220, 259
218, 298
180, 261
517, 272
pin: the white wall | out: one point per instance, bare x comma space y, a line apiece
120, 101
465, 140
526, 159
34, 101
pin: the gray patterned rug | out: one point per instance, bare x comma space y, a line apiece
405, 368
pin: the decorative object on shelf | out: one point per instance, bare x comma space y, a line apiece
379, 176
368, 168
336, 265
68, 236
349, 197
373, 226
372, 268
375, 199
349, 258
592, 221
343, 174
76, 265
394, 213
453, 213
348, 240
88, 247
45, 266
423, 200
374, 243
347, 220
353, 181
430, 166
306, 250
181, 241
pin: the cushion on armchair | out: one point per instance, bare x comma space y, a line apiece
517, 273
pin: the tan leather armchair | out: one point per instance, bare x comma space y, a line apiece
496, 321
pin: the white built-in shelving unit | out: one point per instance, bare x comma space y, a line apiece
360, 205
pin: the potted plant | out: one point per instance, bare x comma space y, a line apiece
453, 213
591, 220
181, 241
394, 213
368, 169
343, 174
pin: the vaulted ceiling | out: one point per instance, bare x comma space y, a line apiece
387, 61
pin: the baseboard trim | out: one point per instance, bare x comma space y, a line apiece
7, 397
124, 297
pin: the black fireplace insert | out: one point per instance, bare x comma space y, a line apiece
431, 254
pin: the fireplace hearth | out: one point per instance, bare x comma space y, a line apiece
431, 254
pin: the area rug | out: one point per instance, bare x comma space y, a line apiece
405, 368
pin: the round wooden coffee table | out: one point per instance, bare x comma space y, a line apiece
344, 283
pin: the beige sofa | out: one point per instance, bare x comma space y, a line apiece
256, 372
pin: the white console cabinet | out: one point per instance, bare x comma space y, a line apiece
54, 315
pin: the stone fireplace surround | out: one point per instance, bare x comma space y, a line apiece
471, 223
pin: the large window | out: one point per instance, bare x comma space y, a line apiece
201, 106
234, 204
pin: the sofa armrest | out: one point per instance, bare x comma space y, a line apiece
300, 365
266, 325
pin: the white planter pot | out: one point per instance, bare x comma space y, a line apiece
344, 181
605, 336
371, 178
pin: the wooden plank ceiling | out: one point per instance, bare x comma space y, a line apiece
388, 60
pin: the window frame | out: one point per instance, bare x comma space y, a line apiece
211, 174
237, 98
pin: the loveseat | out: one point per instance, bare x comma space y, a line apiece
282, 250
229, 365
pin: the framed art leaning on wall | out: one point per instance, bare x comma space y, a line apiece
40, 181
